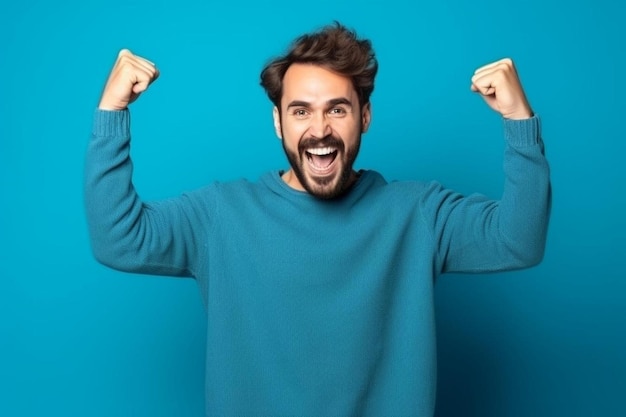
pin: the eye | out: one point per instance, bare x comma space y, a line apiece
300, 113
337, 112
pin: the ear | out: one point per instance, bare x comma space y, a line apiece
366, 117
277, 128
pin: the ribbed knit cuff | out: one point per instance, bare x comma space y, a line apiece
111, 123
526, 132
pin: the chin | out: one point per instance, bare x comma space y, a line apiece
329, 188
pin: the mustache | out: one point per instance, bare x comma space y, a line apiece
327, 141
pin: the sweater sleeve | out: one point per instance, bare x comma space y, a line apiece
476, 234
127, 234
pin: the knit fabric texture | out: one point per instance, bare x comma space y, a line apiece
315, 307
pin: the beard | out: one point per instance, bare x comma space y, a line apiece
326, 187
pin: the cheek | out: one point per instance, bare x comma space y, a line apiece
290, 138
293, 132
349, 132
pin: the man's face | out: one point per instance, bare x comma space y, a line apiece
320, 124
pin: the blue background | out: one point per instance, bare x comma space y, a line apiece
78, 339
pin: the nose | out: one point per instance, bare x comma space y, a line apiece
320, 126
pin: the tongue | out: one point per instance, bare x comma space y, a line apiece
322, 161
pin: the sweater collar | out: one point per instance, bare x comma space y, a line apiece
366, 180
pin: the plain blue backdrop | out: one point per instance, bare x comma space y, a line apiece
78, 339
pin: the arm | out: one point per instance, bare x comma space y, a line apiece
476, 234
125, 233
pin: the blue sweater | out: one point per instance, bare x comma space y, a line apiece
317, 308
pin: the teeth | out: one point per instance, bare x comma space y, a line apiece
321, 151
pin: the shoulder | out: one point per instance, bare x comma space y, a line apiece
405, 188
404, 194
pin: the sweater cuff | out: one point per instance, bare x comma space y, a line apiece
111, 123
526, 132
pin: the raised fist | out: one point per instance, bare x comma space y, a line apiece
131, 75
500, 86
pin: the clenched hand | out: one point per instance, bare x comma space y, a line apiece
499, 85
131, 75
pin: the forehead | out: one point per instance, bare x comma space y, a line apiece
312, 83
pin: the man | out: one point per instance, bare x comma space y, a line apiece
318, 280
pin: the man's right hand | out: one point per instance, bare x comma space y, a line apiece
131, 75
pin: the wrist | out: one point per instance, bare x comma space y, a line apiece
519, 114
110, 107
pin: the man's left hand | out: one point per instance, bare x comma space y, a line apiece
499, 85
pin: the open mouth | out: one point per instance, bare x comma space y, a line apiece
321, 159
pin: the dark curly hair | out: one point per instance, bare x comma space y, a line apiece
333, 47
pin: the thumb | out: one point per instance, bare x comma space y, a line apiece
140, 87
484, 88
143, 80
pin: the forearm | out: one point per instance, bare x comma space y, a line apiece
526, 200
125, 233
487, 235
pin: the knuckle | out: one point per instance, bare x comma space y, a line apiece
124, 52
508, 65
123, 60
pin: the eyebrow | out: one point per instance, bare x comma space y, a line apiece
330, 103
